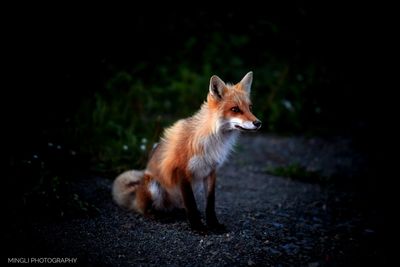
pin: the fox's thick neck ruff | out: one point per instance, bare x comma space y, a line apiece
211, 128
213, 144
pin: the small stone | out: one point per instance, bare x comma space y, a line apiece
250, 262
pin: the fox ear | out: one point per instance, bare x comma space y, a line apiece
217, 87
246, 81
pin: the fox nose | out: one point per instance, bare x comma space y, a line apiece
257, 123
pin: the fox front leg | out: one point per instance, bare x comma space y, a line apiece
189, 202
209, 188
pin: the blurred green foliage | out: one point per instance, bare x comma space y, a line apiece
121, 122
297, 172
41, 193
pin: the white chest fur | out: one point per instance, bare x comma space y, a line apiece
216, 149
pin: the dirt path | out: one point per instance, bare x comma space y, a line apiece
270, 220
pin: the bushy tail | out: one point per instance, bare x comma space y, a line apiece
125, 186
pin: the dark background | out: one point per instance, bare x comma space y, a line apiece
57, 59
319, 59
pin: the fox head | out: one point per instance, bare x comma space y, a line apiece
232, 104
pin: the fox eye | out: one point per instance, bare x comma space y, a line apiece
236, 109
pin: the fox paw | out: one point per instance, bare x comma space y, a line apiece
216, 227
198, 228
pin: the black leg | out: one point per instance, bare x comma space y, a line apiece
190, 206
211, 217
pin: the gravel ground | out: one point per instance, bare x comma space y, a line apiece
271, 221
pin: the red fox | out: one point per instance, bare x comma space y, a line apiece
189, 154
